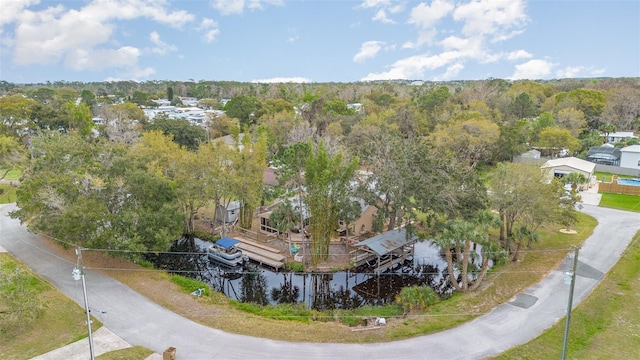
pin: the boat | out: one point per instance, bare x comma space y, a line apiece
225, 251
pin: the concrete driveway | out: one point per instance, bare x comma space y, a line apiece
142, 322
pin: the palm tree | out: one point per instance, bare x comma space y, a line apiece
282, 218
460, 238
575, 179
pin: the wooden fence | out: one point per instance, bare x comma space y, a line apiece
614, 187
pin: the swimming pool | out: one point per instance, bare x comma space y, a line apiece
631, 182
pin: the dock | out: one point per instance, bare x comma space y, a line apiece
261, 254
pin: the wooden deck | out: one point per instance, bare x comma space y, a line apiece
262, 254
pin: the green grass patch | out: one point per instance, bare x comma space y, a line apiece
359, 316
295, 312
608, 176
620, 201
191, 285
12, 174
61, 323
7, 193
131, 353
606, 325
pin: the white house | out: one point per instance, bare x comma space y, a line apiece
630, 157
562, 166
615, 137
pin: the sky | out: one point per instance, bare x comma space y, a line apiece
317, 41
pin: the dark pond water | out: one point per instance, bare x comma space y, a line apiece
321, 291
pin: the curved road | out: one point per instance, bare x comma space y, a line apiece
142, 322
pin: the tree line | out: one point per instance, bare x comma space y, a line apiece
427, 156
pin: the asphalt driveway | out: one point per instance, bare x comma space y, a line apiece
142, 322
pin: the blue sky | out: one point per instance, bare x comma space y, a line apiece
317, 41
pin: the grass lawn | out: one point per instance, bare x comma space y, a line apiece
132, 353
63, 321
7, 193
620, 201
606, 325
607, 176
12, 175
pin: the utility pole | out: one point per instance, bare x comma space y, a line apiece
572, 274
78, 274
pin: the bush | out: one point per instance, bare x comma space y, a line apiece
205, 235
294, 266
417, 298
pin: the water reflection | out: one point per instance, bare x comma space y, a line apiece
321, 291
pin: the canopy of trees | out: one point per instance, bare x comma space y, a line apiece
412, 151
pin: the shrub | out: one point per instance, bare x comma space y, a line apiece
205, 235
417, 298
294, 266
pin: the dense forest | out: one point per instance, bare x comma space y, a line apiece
424, 153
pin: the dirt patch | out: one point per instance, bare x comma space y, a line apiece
568, 231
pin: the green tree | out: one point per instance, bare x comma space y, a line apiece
140, 98
554, 139
187, 171
244, 108
327, 181
512, 141
88, 97
519, 192
522, 107
15, 114
169, 93
590, 102
13, 155
95, 193
291, 169
182, 131
458, 240
572, 120
471, 140
606, 129
249, 165
80, 118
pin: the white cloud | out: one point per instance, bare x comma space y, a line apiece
228, 7
381, 16
210, 29
83, 38
491, 17
277, 80
532, 70
367, 4
578, 71
100, 59
414, 67
231, 7
384, 7
518, 55
134, 74
161, 47
426, 16
11, 10
452, 72
368, 49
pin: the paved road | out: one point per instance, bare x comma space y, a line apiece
142, 322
